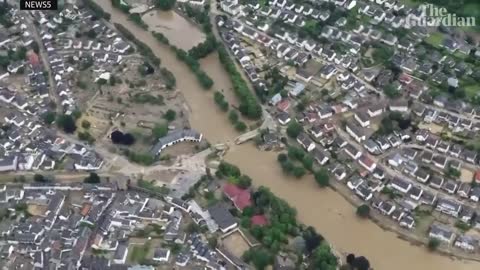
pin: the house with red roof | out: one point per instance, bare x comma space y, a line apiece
33, 59
259, 220
283, 105
405, 79
241, 198
477, 176
367, 163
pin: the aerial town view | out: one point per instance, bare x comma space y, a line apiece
240, 134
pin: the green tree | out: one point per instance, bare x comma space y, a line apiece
85, 124
39, 178
322, 177
244, 181
93, 178
240, 126
294, 129
66, 123
363, 211
323, 258
307, 162
165, 4
433, 244
159, 131
298, 171
282, 157
170, 115
49, 117
233, 116
259, 257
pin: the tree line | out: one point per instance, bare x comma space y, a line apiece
97, 10
249, 106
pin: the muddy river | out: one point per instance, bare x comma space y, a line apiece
324, 209
179, 31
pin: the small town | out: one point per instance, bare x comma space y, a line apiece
240, 134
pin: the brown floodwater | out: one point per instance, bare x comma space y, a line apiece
324, 209
179, 31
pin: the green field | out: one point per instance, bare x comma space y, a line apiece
139, 253
435, 39
472, 90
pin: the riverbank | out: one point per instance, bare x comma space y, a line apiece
386, 224
327, 211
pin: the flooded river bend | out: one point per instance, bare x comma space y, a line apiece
324, 209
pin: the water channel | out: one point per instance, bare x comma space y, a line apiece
326, 210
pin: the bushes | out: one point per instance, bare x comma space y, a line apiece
170, 115
289, 167
205, 48
363, 211
137, 19
165, 4
169, 78
97, 10
143, 98
118, 4
142, 48
240, 126
249, 105
205, 81
140, 158
160, 37
66, 123
433, 244
322, 178
159, 131
86, 136
221, 102
119, 137
294, 129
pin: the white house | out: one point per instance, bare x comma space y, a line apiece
305, 142
362, 118
161, 255
356, 132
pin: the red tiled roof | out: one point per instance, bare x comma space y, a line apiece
405, 78
259, 220
477, 176
240, 197
231, 190
365, 160
283, 105
33, 59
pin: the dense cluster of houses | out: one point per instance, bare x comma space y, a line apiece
69, 221
102, 47
28, 145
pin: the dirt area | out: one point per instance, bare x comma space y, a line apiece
161, 176
36, 210
235, 244
434, 128
466, 175
134, 101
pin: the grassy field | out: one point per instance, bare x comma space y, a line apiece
138, 253
435, 39
472, 90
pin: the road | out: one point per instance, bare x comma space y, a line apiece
461, 116
44, 57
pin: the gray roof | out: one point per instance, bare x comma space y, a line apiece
174, 136
222, 216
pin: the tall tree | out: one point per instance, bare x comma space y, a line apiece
165, 4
